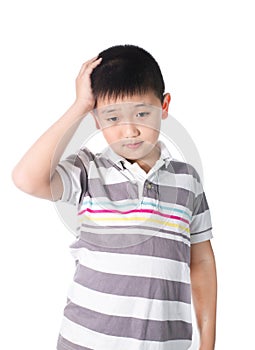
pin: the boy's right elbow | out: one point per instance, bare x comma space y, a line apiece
22, 182
26, 184
18, 178
38, 188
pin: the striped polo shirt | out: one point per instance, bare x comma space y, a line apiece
131, 287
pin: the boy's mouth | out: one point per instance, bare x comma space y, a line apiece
133, 145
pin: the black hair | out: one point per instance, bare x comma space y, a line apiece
126, 70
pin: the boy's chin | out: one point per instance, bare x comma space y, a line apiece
136, 155
134, 150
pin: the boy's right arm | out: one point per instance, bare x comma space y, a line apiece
35, 173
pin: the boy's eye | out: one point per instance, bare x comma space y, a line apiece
142, 114
112, 119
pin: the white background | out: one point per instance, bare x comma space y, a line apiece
206, 53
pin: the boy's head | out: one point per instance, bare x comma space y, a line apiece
130, 102
126, 70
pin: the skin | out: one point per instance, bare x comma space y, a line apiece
35, 173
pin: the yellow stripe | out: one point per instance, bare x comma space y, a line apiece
164, 223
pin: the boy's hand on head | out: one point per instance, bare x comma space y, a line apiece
36, 172
84, 95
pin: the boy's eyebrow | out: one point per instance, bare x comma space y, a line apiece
140, 105
111, 110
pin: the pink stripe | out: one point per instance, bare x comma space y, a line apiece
134, 211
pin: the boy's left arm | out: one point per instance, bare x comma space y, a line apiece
204, 292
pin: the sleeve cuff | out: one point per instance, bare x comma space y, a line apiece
201, 236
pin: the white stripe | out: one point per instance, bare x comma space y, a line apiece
85, 337
108, 176
201, 222
129, 306
133, 265
71, 182
186, 181
201, 237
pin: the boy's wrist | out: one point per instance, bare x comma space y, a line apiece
207, 342
80, 108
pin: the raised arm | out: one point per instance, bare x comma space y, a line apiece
35, 173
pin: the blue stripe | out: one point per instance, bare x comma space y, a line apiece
168, 208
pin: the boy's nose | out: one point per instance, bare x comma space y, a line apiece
130, 130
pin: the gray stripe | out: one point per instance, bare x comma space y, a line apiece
180, 196
140, 228
114, 192
133, 286
153, 246
200, 204
178, 167
83, 177
128, 326
128, 190
64, 344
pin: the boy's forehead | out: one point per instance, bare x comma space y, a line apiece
137, 100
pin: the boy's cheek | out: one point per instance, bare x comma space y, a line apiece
111, 135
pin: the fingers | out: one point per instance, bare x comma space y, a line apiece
84, 91
89, 65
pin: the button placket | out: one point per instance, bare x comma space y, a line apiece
151, 189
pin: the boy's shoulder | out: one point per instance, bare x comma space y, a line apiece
180, 167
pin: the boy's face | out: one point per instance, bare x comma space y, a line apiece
131, 125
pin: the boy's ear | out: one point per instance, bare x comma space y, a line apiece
165, 105
95, 119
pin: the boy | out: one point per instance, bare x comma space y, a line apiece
144, 237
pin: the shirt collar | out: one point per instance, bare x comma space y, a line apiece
165, 154
120, 161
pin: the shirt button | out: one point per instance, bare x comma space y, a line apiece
149, 186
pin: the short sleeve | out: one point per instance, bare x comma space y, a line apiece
201, 225
73, 173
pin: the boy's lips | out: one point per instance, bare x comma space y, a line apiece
133, 145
